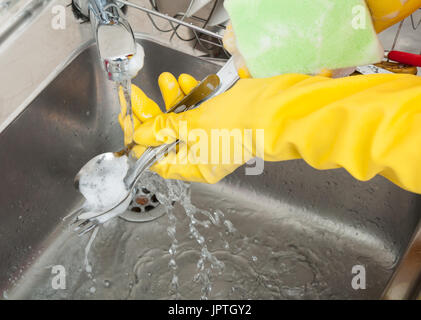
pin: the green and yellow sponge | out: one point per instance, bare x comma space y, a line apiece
303, 36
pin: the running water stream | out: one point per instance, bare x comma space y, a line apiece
169, 192
126, 112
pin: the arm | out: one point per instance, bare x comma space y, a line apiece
366, 124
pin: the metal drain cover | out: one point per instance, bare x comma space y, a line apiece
144, 207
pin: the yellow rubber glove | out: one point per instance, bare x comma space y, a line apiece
173, 90
386, 13
368, 125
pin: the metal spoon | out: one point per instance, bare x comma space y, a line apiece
199, 93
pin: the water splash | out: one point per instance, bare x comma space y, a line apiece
207, 261
88, 266
169, 192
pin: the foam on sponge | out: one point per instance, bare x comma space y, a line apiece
303, 36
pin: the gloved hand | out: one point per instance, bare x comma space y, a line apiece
358, 123
366, 124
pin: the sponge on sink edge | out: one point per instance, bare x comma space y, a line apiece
306, 36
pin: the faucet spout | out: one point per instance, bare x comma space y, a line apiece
116, 45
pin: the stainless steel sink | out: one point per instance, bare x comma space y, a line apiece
299, 231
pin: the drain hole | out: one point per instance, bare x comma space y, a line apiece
143, 201
144, 207
149, 208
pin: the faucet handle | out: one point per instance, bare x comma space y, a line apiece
121, 69
116, 47
116, 44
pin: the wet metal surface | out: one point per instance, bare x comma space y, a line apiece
299, 232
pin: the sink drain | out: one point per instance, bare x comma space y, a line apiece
144, 207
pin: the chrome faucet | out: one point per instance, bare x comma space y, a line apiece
114, 37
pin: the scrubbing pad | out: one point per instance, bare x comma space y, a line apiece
303, 36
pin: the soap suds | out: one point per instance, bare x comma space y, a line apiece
104, 186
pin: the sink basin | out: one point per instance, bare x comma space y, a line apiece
298, 233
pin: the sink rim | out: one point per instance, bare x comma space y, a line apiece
139, 36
